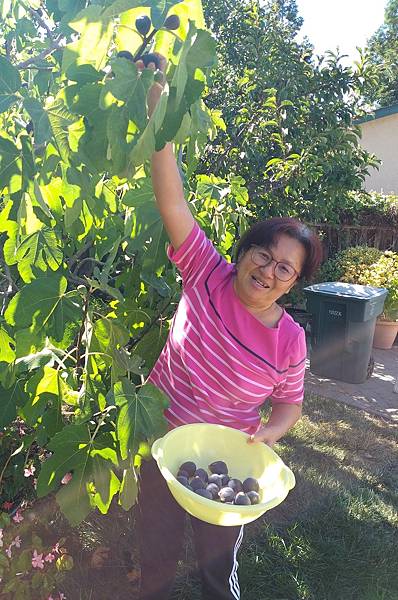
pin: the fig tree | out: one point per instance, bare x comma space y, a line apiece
143, 24
172, 22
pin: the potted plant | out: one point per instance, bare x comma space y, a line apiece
387, 324
370, 266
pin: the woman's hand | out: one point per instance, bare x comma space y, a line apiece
283, 417
156, 89
266, 435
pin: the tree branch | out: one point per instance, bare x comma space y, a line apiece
56, 45
11, 286
79, 356
133, 342
77, 267
41, 22
74, 259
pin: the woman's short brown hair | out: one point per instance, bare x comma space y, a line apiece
266, 233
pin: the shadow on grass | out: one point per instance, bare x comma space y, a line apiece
340, 553
333, 538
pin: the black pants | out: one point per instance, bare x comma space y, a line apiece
160, 527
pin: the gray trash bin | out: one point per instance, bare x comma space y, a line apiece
342, 328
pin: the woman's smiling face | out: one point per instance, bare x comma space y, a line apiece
258, 287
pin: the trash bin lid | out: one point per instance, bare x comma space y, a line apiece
347, 290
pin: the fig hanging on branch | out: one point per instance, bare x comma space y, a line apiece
172, 22
125, 54
143, 24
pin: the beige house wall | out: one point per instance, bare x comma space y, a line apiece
380, 136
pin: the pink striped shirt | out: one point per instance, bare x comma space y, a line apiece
220, 363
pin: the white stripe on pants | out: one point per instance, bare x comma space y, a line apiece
233, 578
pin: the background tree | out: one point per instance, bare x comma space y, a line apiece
288, 115
383, 50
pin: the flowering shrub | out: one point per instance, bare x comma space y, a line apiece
384, 273
367, 266
20, 460
29, 569
348, 264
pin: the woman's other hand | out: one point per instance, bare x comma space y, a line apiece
283, 417
265, 434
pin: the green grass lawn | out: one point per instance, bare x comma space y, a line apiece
335, 537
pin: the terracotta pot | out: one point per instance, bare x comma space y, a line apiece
385, 334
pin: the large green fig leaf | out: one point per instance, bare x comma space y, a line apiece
90, 460
45, 307
40, 249
95, 29
10, 80
140, 414
10, 399
7, 346
7, 100
41, 123
10, 165
128, 489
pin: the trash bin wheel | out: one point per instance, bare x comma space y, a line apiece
371, 366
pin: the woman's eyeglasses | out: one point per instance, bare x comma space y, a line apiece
282, 270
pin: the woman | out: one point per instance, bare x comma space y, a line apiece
230, 347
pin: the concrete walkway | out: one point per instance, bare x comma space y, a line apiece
376, 395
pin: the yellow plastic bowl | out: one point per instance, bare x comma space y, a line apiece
204, 443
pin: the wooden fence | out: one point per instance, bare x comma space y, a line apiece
339, 237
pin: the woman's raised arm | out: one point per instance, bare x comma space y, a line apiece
166, 180
169, 194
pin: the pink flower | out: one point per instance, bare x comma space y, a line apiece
61, 596
56, 548
1, 538
17, 518
17, 542
49, 557
37, 560
28, 471
66, 478
8, 505
8, 551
